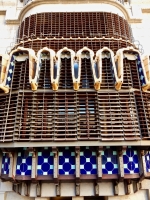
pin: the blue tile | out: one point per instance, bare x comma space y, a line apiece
147, 161
24, 163
45, 162
130, 160
5, 164
109, 161
88, 164
66, 161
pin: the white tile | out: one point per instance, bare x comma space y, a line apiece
45, 160
51, 167
18, 166
72, 166
125, 166
130, 159
72, 153
88, 172
81, 166
103, 166
19, 153
60, 167
94, 166
23, 160
39, 167
115, 166
66, 160
29, 167
108, 159
39, 153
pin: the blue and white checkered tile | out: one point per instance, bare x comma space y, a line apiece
24, 163
88, 163
130, 160
5, 164
10, 71
147, 161
109, 161
45, 163
140, 70
66, 161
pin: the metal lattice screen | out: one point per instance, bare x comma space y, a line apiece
76, 24
66, 114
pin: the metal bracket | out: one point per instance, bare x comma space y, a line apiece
96, 189
57, 189
78, 189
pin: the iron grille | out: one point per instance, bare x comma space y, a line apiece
76, 24
70, 116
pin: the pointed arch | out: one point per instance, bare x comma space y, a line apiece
80, 55
35, 79
19, 54
55, 79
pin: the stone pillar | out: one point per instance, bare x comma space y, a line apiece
2, 195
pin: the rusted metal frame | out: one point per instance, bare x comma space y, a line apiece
129, 76
25, 117
66, 116
110, 115
128, 111
137, 115
55, 122
126, 37
45, 125
143, 112
77, 43
78, 16
87, 116
122, 118
118, 19
33, 109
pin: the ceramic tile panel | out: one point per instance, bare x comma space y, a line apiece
5, 164
45, 162
147, 161
130, 160
24, 163
88, 164
66, 161
109, 161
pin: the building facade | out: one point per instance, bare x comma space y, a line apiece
74, 100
